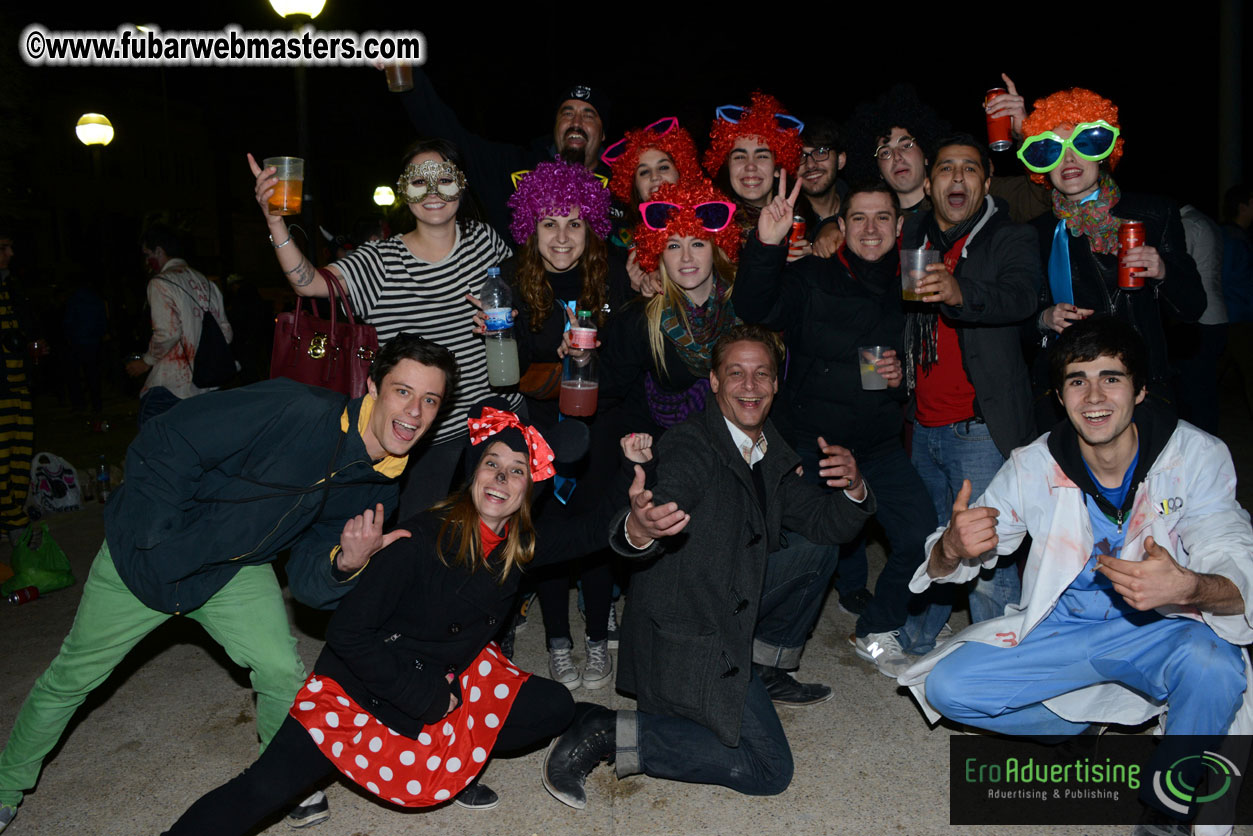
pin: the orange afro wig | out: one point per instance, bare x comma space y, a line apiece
687, 193
758, 121
677, 145
1071, 107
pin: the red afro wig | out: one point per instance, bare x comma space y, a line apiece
677, 145
687, 193
758, 121
1071, 107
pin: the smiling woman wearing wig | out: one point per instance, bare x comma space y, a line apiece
1073, 144
656, 353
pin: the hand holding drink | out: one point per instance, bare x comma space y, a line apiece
280, 184
914, 269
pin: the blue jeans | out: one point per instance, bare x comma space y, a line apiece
904, 511
796, 583
684, 750
944, 456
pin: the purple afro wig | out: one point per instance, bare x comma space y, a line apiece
552, 189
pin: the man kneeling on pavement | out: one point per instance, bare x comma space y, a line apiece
705, 714
1135, 597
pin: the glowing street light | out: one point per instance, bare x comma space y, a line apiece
384, 196
94, 129
307, 8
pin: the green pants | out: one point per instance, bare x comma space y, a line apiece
246, 617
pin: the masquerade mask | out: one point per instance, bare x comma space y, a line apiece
539, 455
714, 216
734, 113
430, 177
1090, 140
661, 127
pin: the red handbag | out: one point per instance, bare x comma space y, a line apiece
334, 355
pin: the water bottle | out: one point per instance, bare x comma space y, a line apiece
502, 349
102, 481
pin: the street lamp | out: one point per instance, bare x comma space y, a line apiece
308, 8
384, 196
94, 129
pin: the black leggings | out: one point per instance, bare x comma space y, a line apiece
292, 764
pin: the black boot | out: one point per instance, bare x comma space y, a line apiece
591, 738
785, 690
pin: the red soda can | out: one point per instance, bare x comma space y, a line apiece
21, 596
999, 126
798, 230
1130, 235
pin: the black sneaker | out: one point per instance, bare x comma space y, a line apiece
313, 810
785, 690
7, 814
477, 796
591, 738
855, 603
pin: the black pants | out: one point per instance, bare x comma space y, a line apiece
292, 764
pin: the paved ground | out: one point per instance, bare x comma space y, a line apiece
177, 719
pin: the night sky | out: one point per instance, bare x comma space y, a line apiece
182, 132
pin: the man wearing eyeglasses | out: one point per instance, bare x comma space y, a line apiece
822, 158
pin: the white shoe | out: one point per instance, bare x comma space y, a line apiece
598, 672
884, 650
561, 667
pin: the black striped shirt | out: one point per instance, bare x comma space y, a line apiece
397, 293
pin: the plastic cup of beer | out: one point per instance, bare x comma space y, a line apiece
868, 356
399, 77
914, 269
288, 186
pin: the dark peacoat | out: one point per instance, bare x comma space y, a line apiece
413, 619
688, 626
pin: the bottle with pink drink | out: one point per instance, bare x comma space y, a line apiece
580, 382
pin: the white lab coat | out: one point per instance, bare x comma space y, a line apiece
1187, 503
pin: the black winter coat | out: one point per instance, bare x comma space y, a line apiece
412, 620
999, 275
1094, 276
687, 641
825, 314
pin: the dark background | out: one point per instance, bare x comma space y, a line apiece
182, 132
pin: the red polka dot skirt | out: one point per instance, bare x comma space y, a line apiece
446, 755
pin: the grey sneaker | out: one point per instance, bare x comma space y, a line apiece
7, 814
598, 672
884, 650
613, 627
561, 667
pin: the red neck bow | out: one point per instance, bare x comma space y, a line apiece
494, 421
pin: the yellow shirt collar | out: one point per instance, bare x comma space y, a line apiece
389, 466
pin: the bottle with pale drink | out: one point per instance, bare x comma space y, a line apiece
580, 371
502, 348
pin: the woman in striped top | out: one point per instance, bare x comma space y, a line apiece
416, 282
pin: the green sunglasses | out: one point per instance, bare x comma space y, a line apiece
1090, 140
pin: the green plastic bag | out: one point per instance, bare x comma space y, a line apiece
44, 566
